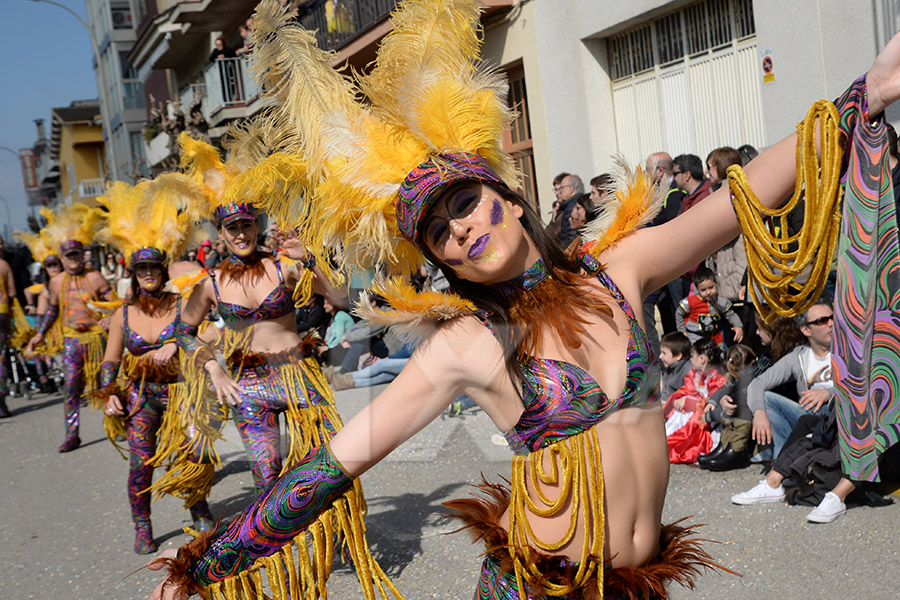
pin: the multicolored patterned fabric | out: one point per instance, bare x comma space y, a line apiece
562, 399
277, 304
48, 319
424, 185
135, 344
279, 514
532, 276
232, 211
73, 367
265, 395
153, 256
70, 245
865, 352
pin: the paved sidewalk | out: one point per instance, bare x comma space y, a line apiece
66, 530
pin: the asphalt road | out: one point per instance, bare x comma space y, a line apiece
66, 529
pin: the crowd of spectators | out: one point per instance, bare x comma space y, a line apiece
735, 390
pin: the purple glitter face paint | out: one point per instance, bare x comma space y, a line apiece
497, 213
454, 262
479, 246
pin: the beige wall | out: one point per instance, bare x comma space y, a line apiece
78, 146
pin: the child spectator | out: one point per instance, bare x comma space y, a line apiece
675, 355
687, 432
699, 315
728, 409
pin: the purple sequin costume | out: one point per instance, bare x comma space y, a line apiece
146, 402
266, 391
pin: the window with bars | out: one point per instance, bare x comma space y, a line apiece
691, 31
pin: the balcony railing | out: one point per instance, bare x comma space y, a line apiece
228, 84
88, 188
337, 23
187, 97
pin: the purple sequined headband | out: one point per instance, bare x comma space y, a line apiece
153, 256
425, 184
226, 213
70, 245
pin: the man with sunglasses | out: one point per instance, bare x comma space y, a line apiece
809, 365
83, 338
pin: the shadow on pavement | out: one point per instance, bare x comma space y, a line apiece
395, 524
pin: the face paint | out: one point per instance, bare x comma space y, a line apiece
454, 262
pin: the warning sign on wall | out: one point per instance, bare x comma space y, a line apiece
768, 66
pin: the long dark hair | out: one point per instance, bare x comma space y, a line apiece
488, 300
710, 349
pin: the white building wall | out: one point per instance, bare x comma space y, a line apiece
819, 47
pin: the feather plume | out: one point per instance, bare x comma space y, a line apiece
78, 222
413, 314
38, 244
162, 213
632, 203
184, 284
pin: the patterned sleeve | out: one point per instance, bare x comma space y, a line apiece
279, 514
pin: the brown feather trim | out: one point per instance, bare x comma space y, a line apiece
153, 305
188, 555
563, 301
680, 559
142, 369
262, 359
253, 269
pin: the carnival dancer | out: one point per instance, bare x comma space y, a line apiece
7, 297
547, 344
37, 296
71, 231
149, 223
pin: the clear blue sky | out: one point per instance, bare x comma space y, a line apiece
48, 63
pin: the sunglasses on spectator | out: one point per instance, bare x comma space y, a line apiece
821, 320
677, 173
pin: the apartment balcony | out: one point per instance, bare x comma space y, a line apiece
91, 188
231, 93
336, 26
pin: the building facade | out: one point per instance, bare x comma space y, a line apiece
588, 78
78, 151
112, 24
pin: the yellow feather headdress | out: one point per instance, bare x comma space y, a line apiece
76, 224
335, 163
162, 214
39, 244
330, 152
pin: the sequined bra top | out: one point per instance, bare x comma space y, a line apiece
277, 304
137, 345
561, 399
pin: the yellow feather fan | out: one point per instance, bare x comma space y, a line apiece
78, 222
161, 213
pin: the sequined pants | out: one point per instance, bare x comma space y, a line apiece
145, 412
73, 387
266, 396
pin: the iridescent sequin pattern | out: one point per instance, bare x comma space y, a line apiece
562, 399
279, 514
424, 184
256, 417
73, 367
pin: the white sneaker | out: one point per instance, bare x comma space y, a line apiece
829, 509
760, 493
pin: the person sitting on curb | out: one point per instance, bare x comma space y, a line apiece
809, 365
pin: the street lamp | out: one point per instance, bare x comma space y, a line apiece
10, 150
104, 109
